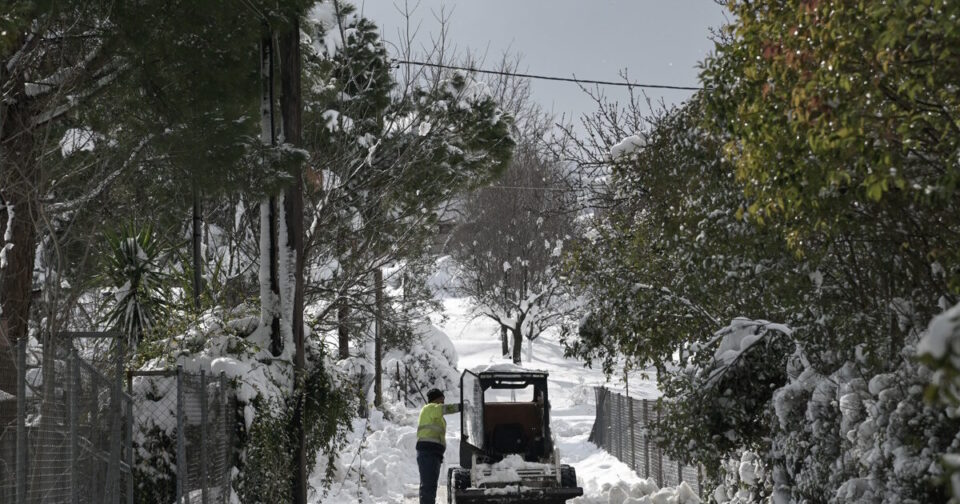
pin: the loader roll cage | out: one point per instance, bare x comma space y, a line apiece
492, 429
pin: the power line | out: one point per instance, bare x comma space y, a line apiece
548, 77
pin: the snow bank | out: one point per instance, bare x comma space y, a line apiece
376, 464
643, 492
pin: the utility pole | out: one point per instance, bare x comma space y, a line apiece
269, 294
291, 108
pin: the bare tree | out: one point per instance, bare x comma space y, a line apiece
510, 246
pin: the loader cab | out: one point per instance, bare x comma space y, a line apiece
505, 411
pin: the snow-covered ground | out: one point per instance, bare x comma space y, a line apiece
379, 462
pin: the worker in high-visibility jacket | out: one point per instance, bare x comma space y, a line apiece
432, 442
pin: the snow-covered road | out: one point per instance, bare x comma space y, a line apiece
379, 464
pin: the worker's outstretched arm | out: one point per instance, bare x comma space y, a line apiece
449, 409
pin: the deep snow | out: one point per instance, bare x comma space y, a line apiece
378, 464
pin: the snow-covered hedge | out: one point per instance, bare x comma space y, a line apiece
840, 436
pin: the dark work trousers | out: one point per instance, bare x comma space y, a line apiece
429, 460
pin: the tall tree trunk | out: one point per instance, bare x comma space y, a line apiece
343, 332
517, 343
18, 188
197, 238
291, 111
269, 248
378, 340
504, 344
343, 307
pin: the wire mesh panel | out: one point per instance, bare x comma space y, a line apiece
9, 381
62, 429
624, 427
183, 432
154, 435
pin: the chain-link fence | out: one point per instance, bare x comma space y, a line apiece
64, 426
624, 429
183, 427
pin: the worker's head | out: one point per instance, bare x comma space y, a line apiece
435, 396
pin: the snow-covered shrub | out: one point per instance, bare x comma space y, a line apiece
743, 481
719, 396
153, 440
233, 342
940, 349
859, 438
269, 463
431, 362
846, 435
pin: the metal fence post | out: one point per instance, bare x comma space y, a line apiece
659, 459
646, 442
116, 435
607, 424
633, 438
21, 420
203, 436
700, 480
73, 395
130, 448
225, 417
181, 455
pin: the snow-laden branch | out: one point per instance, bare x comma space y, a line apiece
682, 299
28, 45
7, 236
736, 340
72, 101
75, 203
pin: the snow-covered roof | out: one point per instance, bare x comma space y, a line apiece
506, 367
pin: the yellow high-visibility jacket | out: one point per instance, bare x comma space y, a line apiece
431, 426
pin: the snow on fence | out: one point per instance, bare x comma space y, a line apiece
184, 420
64, 425
624, 429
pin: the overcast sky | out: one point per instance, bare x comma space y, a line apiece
655, 41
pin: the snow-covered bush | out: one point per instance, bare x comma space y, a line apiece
861, 438
940, 349
153, 439
719, 395
840, 436
232, 342
743, 481
431, 362
269, 464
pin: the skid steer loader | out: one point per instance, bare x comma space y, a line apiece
507, 455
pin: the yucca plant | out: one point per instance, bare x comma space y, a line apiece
134, 267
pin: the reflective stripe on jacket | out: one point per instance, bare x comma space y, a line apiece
432, 427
